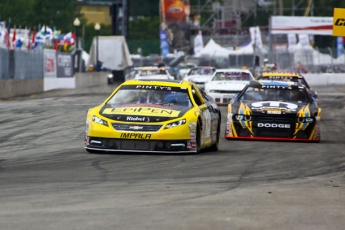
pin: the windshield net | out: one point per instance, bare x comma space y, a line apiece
175, 96
295, 94
153, 72
231, 76
201, 71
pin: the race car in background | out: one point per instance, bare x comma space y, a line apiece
151, 72
200, 75
288, 77
226, 83
273, 110
185, 67
165, 116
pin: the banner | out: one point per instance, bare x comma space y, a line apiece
49, 60
301, 24
304, 40
64, 65
198, 43
340, 46
174, 17
255, 35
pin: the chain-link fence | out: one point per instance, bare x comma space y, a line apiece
21, 64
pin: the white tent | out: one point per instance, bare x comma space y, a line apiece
213, 49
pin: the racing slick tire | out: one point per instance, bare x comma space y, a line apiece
215, 146
198, 138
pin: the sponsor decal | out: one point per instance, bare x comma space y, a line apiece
143, 111
136, 127
274, 111
178, 145
276, 87
135, 136
189, 146
87, 139
272, 125
155, 87
270, 105
143, 119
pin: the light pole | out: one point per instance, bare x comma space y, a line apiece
97, 28
76, 24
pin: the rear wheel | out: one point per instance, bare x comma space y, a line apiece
198, 138
215, 146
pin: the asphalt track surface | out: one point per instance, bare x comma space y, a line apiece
48, 180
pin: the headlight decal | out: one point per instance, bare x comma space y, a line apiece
246, 112
176, 123
301, 119
99, 121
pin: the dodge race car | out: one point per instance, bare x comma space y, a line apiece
226, 83
154, 116
273, 111
287, 76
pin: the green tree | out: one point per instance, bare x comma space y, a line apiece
18, 11
59, 14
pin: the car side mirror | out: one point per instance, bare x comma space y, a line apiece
312, 92
235, 96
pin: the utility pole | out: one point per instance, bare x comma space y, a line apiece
281, 7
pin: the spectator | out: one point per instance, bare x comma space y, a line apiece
301, 68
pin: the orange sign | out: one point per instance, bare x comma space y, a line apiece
175, 11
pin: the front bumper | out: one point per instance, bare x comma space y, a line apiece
150, 138
235, 130
121, 145
221, 99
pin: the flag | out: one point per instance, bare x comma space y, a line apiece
1, 31
164, 43
14, 35
7, 39
7, 35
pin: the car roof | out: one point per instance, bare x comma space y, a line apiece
163, 82
282, 74
233, 70
203, 67
153, 68
260, 83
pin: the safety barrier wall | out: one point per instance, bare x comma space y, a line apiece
325, 79
89, 79
12, 87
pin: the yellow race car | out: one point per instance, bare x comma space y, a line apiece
152, 115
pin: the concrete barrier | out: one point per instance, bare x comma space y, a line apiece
12, 88
325, 79
58, 83
89, 79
